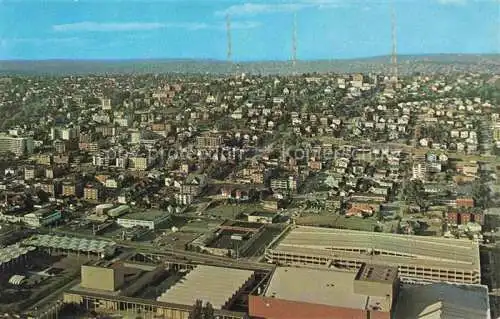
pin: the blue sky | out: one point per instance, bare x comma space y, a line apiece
261, 30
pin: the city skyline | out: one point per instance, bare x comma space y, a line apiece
326, 29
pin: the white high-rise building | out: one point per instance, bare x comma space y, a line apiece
17, 145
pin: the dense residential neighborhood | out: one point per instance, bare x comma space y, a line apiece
353, 178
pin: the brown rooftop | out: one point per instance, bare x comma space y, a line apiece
377, 273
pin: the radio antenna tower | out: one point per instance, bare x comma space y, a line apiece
294, 43
394, 55
229, 44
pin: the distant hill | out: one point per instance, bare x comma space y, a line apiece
441, 63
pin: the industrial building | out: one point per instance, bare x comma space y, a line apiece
418, 258
374, 292
442, 300
128, 286
73, 245
216, 285
149, 219
232, 238
118, 211
297, 293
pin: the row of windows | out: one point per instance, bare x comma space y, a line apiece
430, 273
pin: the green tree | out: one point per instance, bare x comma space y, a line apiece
414, 193
208, 311
202, 312
481, 193
197, 311
44, 196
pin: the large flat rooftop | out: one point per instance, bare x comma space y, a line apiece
146, 215
380, 248
216, 285
319, 286
224, 240
443, 300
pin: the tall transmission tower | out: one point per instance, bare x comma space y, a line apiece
229, 43
498, 30
394, 55
294, 43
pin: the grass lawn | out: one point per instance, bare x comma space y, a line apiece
337, 221
231, 211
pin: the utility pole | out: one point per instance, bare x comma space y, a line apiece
229, 42
294, 44
498, 30
394, 54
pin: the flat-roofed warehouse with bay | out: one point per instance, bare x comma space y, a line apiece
216, 285
418, 258
149, 219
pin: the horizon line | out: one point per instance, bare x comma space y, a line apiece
224, 61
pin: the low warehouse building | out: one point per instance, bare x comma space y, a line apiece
149, 219
418, 258
216, 285
297, 293
131, 287
374, 292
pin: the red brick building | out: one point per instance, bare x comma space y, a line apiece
456, 217
465, 217
453, 217
464, 202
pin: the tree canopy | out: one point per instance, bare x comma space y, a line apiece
202, 312
414, 192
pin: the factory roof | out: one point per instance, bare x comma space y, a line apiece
241, 224
13, 252
320, 286
211, 284
148, 215
381, 248
443, 301
70, 243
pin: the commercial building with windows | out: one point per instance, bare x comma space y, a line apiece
149, 219
209, 141
17, 145
418, 258
42, 217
